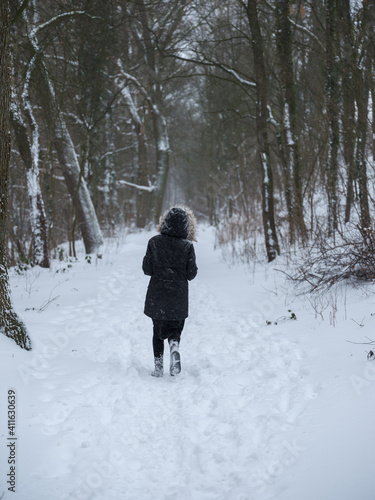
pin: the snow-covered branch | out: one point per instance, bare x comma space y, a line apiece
223, 67
272, 118
235, 74
137, 186
59, 58
310, 33
109, 153
130, 103
38, 28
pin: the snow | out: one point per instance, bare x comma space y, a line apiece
237, 76
137, 186
355, 5
290, 141
40, 27
163, 140
281, 411
69, 162
265, 169
130, 103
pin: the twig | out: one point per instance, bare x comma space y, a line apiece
372, 342
49, 301
359, 324
44, 306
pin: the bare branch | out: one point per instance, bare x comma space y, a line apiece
137, 186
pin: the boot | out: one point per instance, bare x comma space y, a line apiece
175, 359
159, 370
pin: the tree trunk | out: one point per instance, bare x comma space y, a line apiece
61, 140
156, 98
143, 196
290, 133
371, 71
10, 324
373, 113
363, 84
110, 193
286, 175
271, 241
37, 212
69, 164
348, 71
77, 187
362, 93
162, 157
332, 98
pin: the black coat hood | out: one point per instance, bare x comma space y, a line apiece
178, 221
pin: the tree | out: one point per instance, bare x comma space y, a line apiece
30, 157
272, 244
363, 84
348, 72
290, 135
157, 27
10, 324
143, 184
65, 149
332, 99
248, 110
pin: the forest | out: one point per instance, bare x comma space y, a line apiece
258, 114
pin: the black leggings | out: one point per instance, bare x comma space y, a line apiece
165, 329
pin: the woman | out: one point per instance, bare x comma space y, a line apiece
170, 261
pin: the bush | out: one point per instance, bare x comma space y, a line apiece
350, 255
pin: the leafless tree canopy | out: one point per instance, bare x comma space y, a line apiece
257, 113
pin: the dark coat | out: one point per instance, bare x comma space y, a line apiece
170, 261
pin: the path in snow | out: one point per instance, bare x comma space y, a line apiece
104, 428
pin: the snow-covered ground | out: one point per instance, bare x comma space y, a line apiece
281, 411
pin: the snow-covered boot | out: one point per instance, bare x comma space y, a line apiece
175, 360
159, 370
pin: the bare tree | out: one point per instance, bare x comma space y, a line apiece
363, 79
272, 244
332, 98
63, 143
156, 27
10, 324
348, 71
30, 157
143, 185
290, 134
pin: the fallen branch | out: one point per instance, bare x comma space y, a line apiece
370, 354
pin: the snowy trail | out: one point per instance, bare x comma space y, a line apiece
97, 425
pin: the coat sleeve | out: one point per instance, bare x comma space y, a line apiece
147, 262
191, 268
